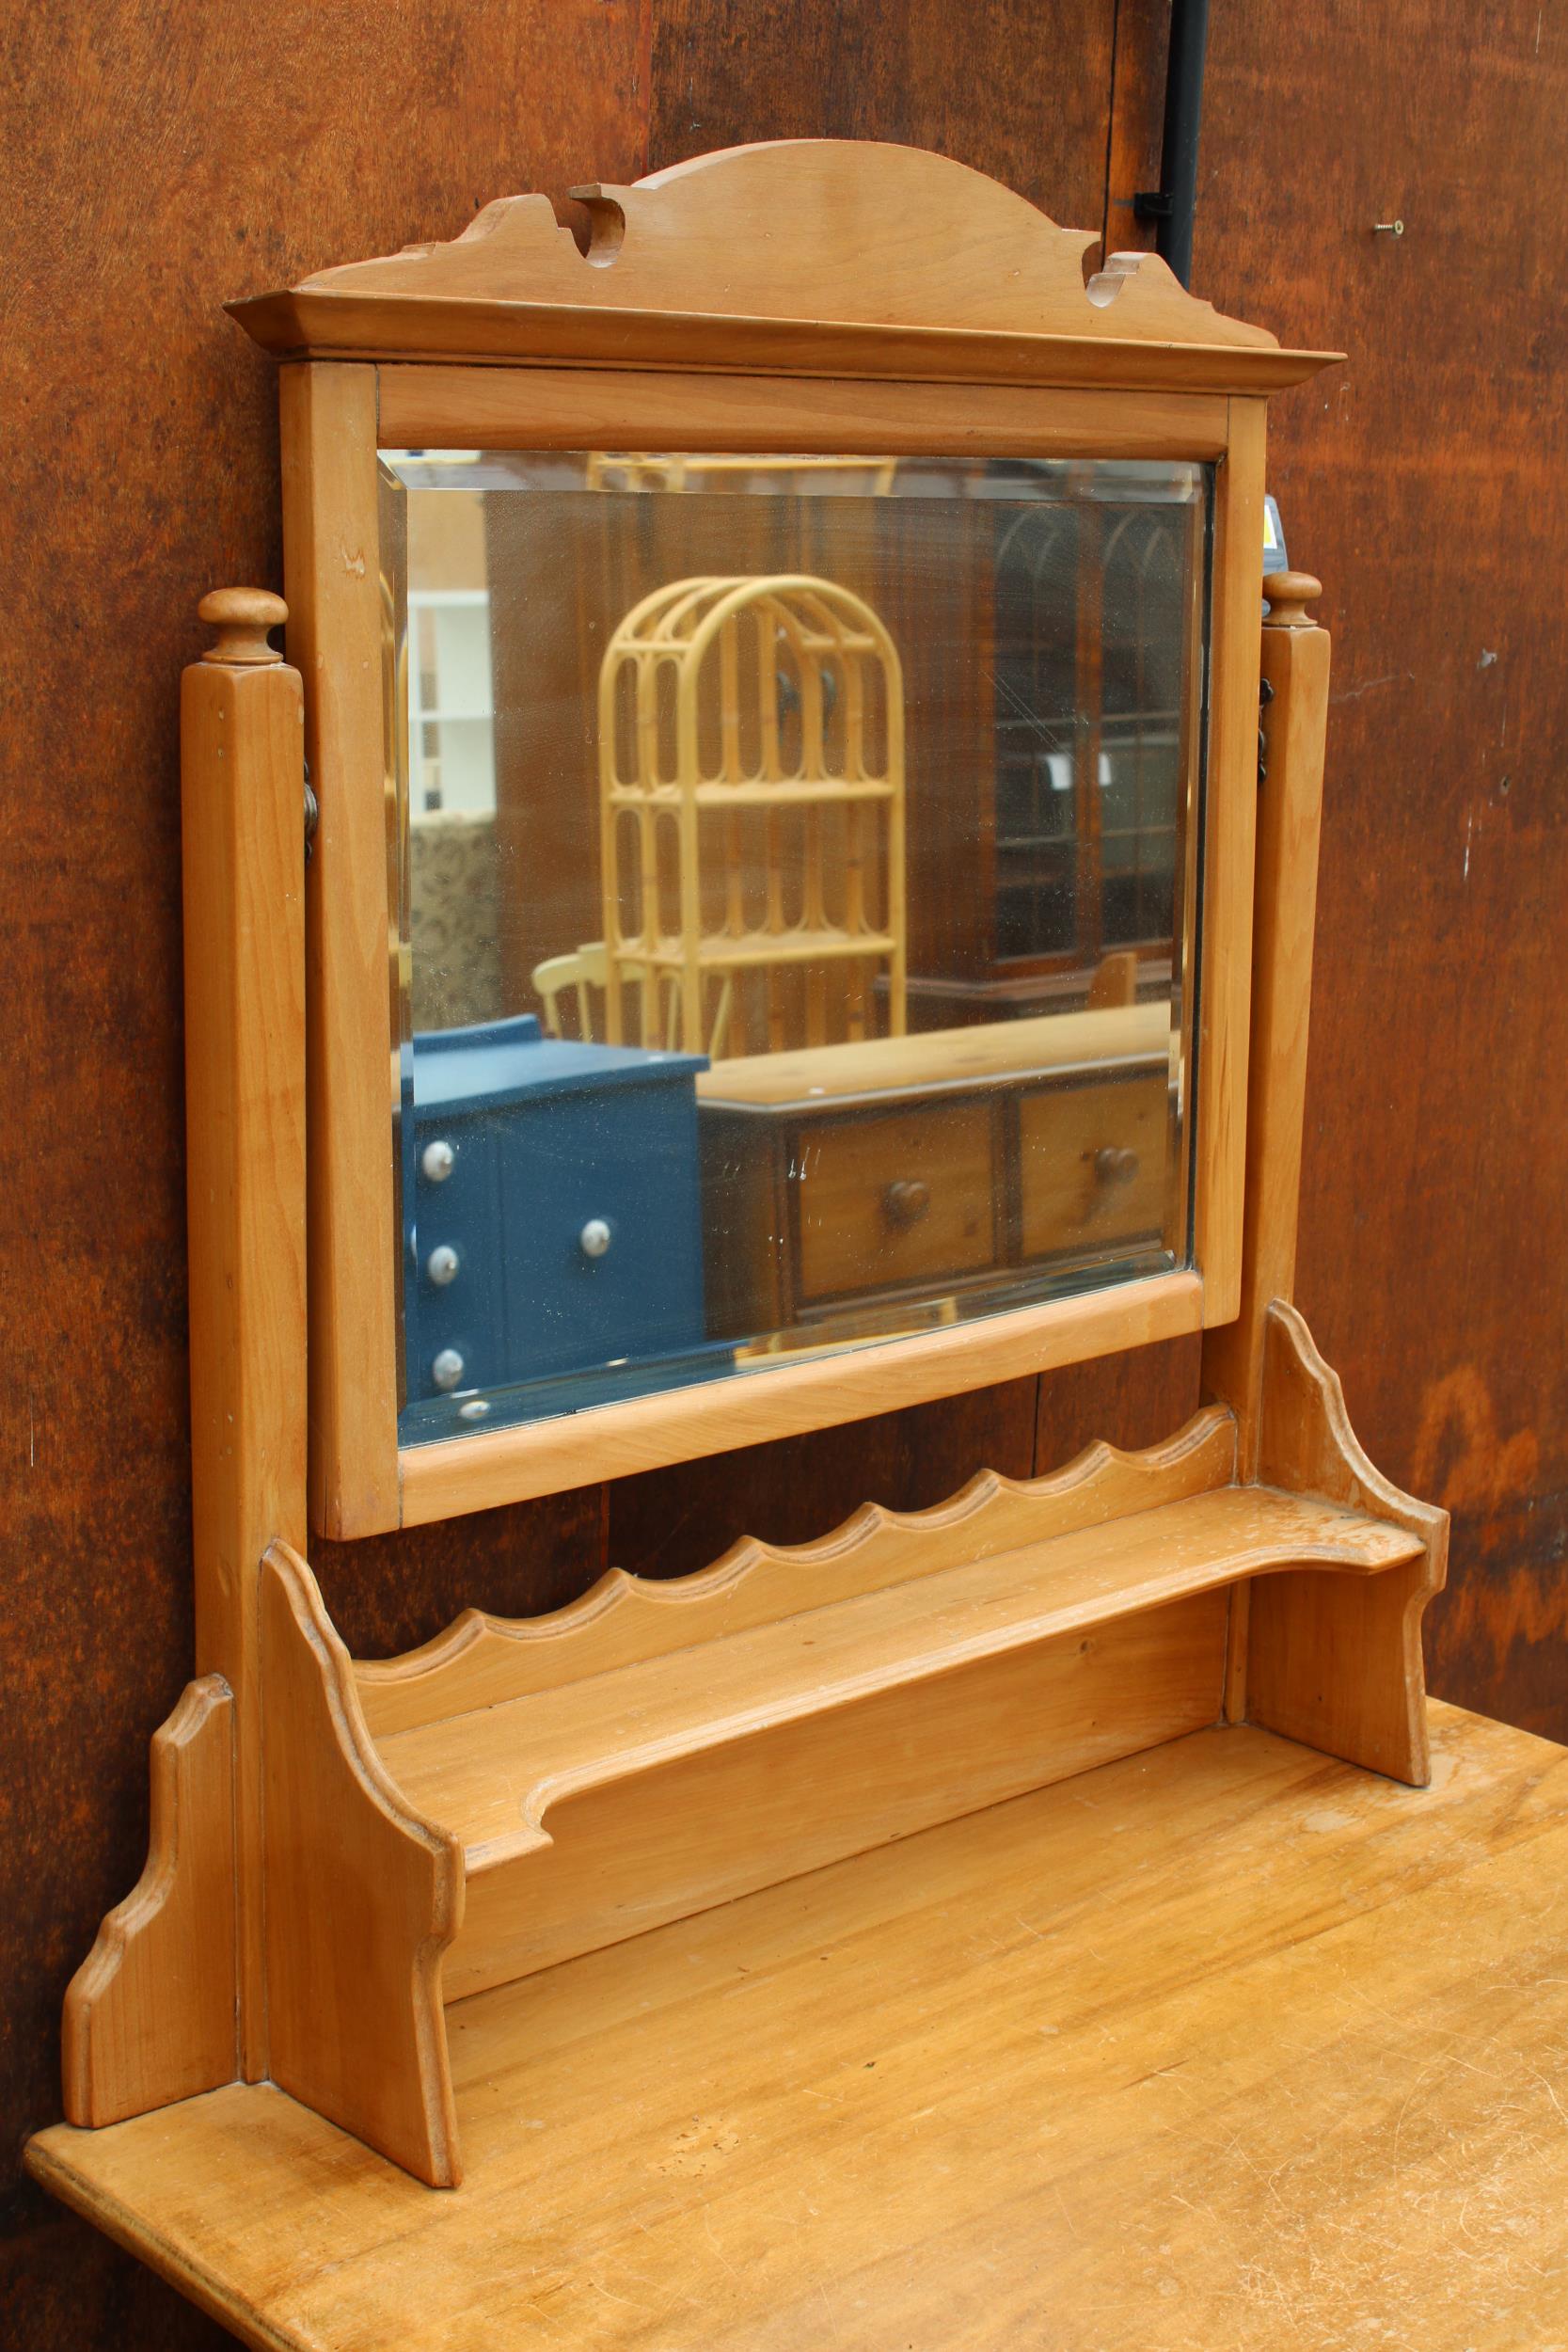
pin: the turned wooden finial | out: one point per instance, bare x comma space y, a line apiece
242, 617
1288, 594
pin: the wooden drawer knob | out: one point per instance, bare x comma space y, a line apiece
905, 1202
1114, 1165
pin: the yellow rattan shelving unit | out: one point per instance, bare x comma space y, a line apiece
752, 812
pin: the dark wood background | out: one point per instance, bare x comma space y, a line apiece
162, 159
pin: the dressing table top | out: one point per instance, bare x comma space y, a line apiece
1227, 2044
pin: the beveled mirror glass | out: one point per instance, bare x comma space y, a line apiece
796, 863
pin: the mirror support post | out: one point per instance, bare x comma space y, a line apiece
1295, 663
242, 793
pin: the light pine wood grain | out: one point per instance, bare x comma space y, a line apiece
371, 328
683, 409
1212, 2046
363, 1896
151, 2014
897, 261
986, 1054
617, 1801
659, 1751
243, 825
624, 1620
676, 1822
475, 1473
332, 567
1295, 663
1342, 1672
1228, 848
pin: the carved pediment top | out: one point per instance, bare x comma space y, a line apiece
833, 236
839, 228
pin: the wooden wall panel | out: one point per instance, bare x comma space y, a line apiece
667, 1522
1427, 485
1129, 1401
1020, 89
1137, 121
390, 1592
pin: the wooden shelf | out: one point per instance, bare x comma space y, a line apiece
718, 954
619, 1797
493, 1774
788, 793
520, 1792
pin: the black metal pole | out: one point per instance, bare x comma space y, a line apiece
1172, 209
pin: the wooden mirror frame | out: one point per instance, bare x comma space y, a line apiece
911, 306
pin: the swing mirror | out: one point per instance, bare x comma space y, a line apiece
781, 694
797, 866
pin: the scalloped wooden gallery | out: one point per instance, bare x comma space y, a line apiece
791, 931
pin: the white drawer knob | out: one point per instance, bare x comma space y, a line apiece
438, 1160
441, 1265
447, 1370
594, 1240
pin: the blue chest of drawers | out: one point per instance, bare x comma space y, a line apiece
551, 1213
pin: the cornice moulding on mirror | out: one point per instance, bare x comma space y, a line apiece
803, 257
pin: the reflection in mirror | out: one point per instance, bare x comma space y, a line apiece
797, 863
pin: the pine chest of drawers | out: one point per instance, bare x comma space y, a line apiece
965, 1157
